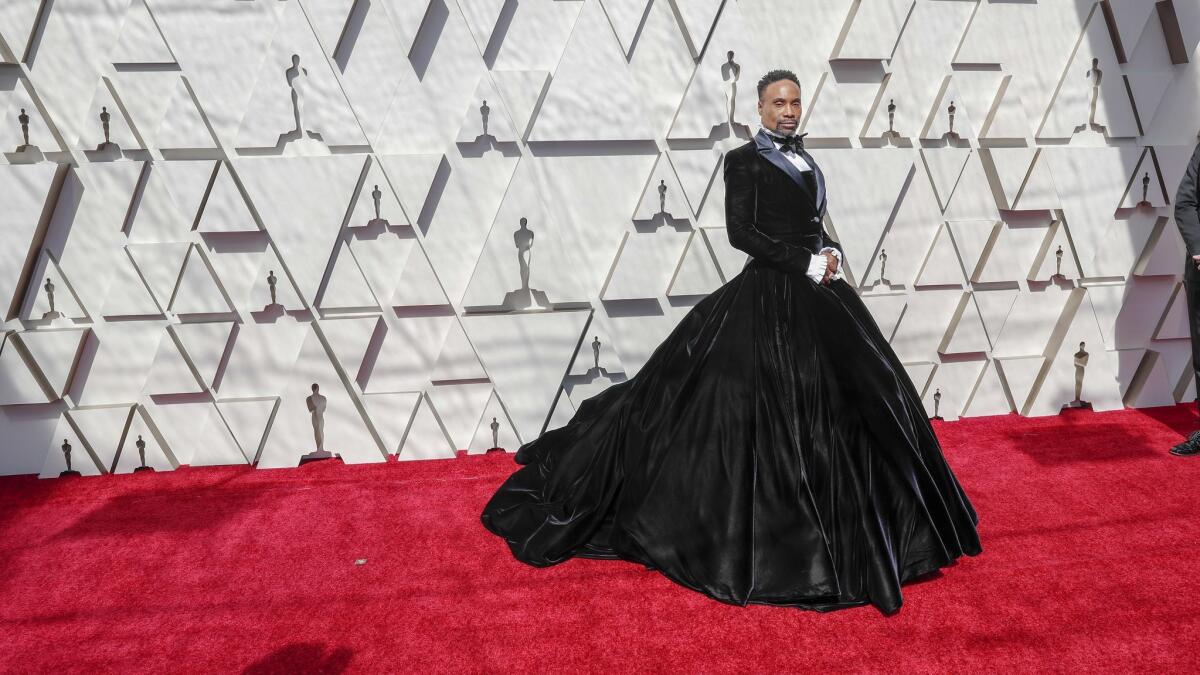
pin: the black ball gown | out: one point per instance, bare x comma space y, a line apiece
771, 450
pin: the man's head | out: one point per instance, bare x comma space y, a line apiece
779, 105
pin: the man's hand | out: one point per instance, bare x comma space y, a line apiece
1196, 259
831, 263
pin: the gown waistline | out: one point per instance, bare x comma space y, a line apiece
810, 241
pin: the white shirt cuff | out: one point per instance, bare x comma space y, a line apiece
836, 275
816, 267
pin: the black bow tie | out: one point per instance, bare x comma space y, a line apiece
795, 143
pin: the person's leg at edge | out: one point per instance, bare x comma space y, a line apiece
1191, 289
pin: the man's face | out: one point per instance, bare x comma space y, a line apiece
779, 107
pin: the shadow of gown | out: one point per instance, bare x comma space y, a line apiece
771, 450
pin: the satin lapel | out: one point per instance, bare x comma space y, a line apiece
767, 149
820, 178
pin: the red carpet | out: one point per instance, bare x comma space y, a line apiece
1091, 563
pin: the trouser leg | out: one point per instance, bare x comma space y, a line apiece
1191, 289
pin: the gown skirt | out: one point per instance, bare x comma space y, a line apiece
771, 450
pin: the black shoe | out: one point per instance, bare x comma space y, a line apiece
1189, 447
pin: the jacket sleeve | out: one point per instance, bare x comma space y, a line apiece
1187, 219
831, 243
740, 222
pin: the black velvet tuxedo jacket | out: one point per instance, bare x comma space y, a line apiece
1187, 215
771, 211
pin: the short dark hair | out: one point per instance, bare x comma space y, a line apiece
775, 76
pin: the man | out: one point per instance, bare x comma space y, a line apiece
1188, 220
784, 404
779, 110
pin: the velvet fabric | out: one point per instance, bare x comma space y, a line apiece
772, 449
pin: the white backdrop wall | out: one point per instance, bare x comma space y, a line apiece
433, 273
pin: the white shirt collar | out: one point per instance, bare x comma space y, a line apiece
776, 138
773, 135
